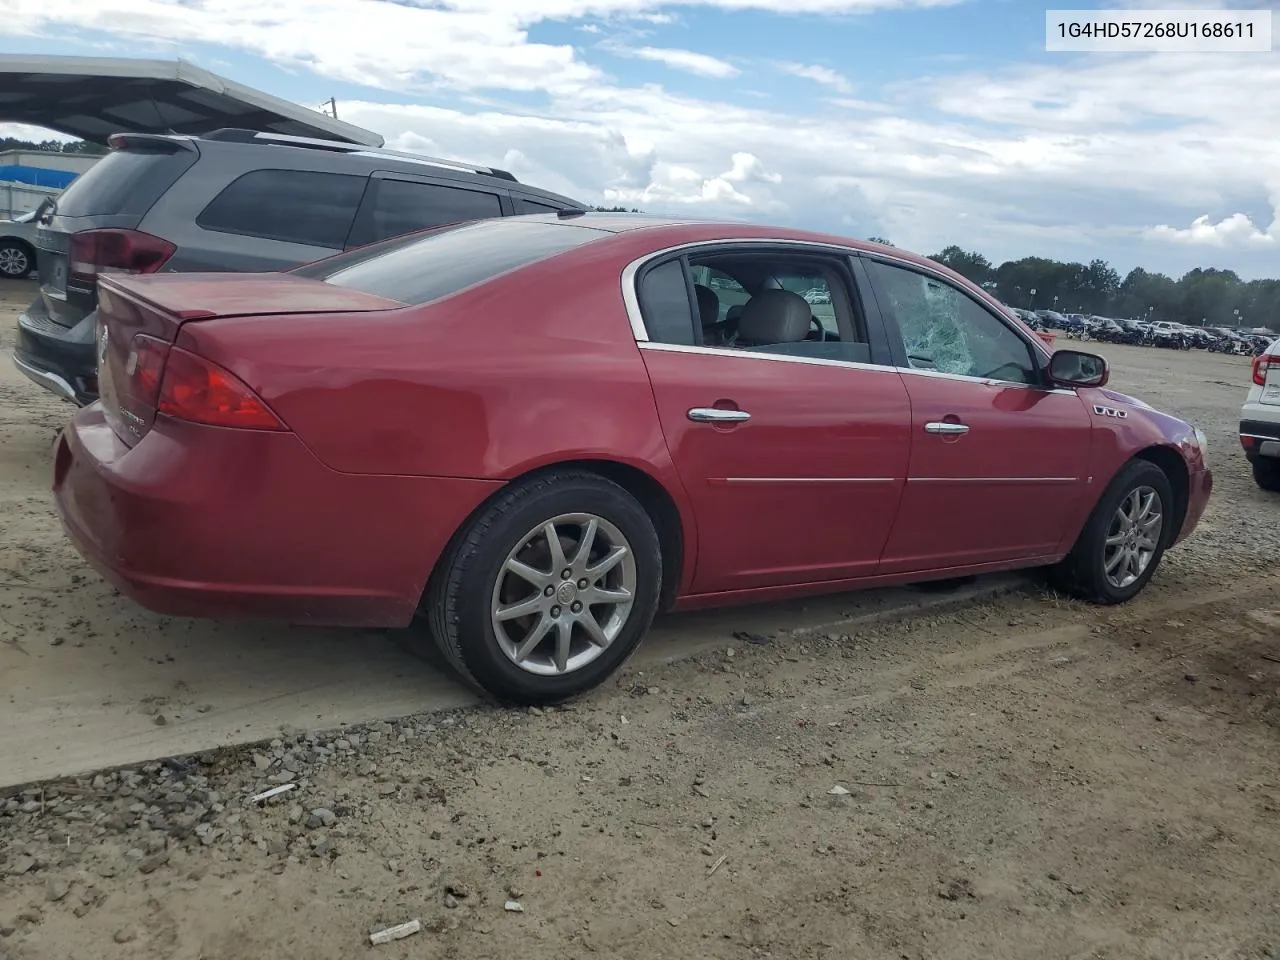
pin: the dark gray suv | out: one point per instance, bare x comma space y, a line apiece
231, 200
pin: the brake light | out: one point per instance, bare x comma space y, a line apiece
145, 366
199, 390
1260, 364
115, 251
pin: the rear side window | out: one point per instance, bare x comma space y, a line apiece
664, 302
293, 206
124, 183
529, 206
403, 206
419, 269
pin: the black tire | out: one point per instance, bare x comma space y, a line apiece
1266, 473
17, 260
459, 596
1082, 573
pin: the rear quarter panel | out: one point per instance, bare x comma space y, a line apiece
538, 367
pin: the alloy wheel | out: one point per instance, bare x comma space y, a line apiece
1133, 536
14, 261
563, 594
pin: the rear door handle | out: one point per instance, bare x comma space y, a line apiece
947, 429
717, 415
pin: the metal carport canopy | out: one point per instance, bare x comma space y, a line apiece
94, 97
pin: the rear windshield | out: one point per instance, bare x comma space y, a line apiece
420, 268
124, 182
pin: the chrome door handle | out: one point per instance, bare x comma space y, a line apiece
717, 415
947, 429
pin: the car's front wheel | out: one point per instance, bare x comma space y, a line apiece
1123, 540
16, 260
1266, 473
549, 589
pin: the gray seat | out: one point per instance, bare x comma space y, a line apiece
782, 321
708, 307
774, 316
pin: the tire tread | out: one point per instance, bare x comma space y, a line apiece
444, 592
1076, 575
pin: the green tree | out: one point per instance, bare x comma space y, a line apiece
970, 265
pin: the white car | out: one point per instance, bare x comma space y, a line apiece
17, 246
1260, 419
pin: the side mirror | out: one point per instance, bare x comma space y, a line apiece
1072, 368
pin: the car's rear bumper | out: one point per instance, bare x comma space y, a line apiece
213, 522
60, 359
1260, 430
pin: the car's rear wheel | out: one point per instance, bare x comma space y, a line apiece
1266, 473
1124, 539
16, 260
549, 589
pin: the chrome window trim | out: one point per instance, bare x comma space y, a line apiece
844, 364
631, 301
754, 355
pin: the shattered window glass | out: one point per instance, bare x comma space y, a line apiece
945, 330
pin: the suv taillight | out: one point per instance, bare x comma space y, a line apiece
1260, 364
115, 251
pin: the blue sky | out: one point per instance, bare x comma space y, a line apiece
927, 121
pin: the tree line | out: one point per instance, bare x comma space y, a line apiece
82, 147
1208, 297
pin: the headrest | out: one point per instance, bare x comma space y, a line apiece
774, 316
708, 304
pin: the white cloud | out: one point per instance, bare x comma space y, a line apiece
1237, 230
818, 74
1066, 156
686, 60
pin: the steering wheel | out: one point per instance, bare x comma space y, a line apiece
818, 328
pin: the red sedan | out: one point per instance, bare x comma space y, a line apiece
536, 432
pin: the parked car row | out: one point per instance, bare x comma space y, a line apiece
1161, 333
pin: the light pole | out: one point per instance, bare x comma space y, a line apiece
1031, 299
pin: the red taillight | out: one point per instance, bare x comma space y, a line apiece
196, 389
1260, 364
145, 366
115, 251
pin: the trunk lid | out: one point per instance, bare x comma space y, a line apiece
139, 319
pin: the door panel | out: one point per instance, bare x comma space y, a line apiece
1001, 490
999, 460
806, 487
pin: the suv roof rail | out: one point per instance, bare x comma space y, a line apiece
240, 135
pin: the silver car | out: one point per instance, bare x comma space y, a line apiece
18, 246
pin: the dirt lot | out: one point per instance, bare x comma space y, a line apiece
1025, 777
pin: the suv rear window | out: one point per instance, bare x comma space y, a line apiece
293, 206
124, 183
421, 268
